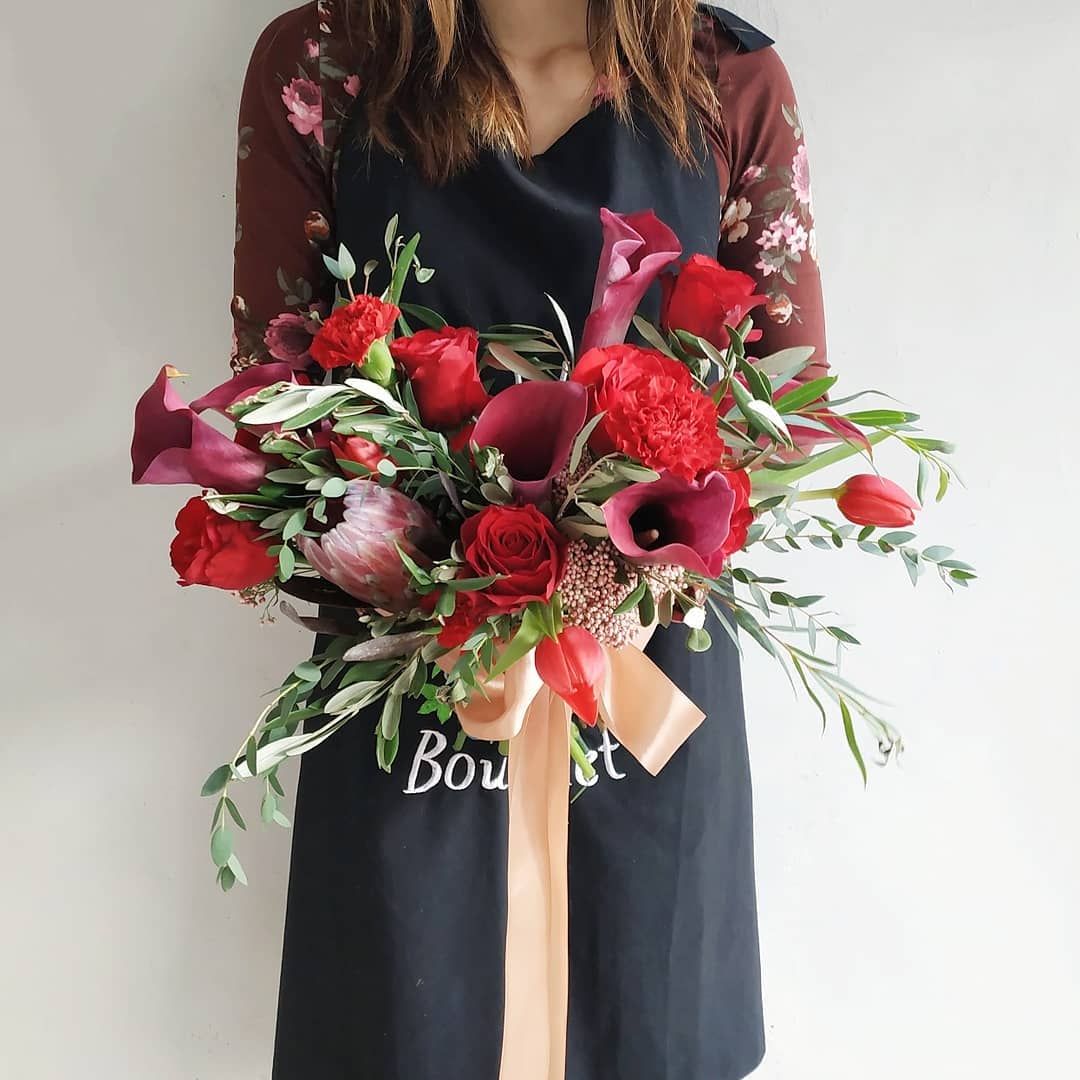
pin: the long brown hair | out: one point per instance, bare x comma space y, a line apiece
434, 80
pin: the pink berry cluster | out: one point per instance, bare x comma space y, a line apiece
591, 592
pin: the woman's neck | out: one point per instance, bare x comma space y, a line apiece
527, 29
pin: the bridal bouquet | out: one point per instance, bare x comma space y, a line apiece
502, 553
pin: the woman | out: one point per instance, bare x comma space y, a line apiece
498, 129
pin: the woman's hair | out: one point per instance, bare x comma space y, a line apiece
433, 79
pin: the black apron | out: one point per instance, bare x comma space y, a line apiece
393, 952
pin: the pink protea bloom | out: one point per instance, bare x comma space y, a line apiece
359, 554
303, 99
288, 339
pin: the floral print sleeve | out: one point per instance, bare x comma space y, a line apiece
294, 101
767, 227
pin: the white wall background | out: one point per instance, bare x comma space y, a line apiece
925, 928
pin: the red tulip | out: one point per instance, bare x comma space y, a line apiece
636, 248
873, 500
574, 666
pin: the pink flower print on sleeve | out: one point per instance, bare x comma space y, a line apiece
800, 178
303, 99
352, 85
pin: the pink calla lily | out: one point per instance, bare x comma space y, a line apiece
637, 247
172, 445
681, 523
534, 425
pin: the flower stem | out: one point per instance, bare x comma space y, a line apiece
819, 493
579, 752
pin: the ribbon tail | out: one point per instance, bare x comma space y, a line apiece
537, 926
644, 709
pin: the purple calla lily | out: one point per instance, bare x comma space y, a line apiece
637, 247
172, 445
534, 425
673, 521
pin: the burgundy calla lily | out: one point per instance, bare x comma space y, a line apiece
172, 445
534, 425
673, 521
637, 247
250, 381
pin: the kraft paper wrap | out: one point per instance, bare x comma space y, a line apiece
651, 718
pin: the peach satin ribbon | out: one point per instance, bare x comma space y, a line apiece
651, 718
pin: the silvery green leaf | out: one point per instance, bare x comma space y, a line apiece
564, 323
346, 263
424, 274
515, 362
494, 494
652, 336
334, 488
370, 267
637, 474
377, 393
238, 871
767, 417
786, 363
353, 697
333, 267
582, 441
221, 846
576, 529
391, 235
592, 512
290, 403
391, 716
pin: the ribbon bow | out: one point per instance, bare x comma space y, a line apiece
652, 718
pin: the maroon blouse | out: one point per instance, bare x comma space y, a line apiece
297, 93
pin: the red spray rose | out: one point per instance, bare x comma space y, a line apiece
441, 365
211, 549
655, 411
873, 500
705, 299
521, 546
359, 450
351, 330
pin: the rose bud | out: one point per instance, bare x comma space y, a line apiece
574, 666
873, 500
442, 367
359, 450
705, 299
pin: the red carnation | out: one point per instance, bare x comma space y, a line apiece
655, 412
211, 549
351, 330
705, 299
441, 365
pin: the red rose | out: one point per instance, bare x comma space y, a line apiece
742, 517
211, 549
461, 438
351, 330
655, 412
441, 365
705, 299
522, 547
873, 500
359, 450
